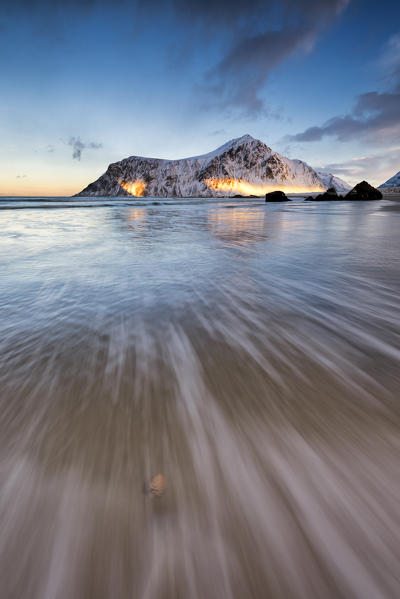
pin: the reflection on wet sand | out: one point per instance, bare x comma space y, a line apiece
136, 217
232, 223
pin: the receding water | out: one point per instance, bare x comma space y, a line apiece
249, 353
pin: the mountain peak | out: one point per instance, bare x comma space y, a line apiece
238, 141
243, 139
392, 182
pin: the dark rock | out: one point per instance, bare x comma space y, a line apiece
276, 196
364, 191
331, 192
328, 196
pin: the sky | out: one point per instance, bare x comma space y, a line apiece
86, 83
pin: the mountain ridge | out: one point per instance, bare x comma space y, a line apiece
392, 182
243, 165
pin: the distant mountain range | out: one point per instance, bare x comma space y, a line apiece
392, 182
243, 166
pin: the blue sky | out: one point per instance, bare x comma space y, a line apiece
87, 83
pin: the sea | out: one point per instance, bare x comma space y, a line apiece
199, 399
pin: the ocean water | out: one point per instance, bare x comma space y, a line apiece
248, 353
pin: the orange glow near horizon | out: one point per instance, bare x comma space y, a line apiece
135, 188
243, 188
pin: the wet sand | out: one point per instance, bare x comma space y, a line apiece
247, 353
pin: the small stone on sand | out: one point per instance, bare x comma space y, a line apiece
157, 485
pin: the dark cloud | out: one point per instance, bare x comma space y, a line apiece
38, 6
375, 115
222, 13
78, 146
239, 76
256, 36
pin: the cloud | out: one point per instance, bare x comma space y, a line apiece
21, 176
389, 62
38, 6
239, 77
78, 146
277, 31
219, 13
376, 168
374, 116
252, 37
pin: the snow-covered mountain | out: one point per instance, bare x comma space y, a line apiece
392, 182
332, 181
243, 166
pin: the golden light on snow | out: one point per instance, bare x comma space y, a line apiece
246, 189
135, 188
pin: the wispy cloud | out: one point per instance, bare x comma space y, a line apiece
78, 146
389, 61
254, 37
377, 167
258, 36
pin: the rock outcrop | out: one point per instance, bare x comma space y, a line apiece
364, 191
330, 195
361, 192
276, 196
